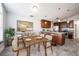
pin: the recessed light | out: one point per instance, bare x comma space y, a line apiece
59, 8
31, 16
58, 19
34, 7
67, 21
45, 16
68, 10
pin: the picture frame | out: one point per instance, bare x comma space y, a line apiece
23, 26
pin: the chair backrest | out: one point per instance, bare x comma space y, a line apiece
49, 37
15, 44
42, 35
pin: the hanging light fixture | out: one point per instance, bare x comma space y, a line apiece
68, 13
35, 7
58, 19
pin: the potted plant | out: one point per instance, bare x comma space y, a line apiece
9, 33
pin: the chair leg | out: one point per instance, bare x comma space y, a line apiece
29, 50
44, 43
51, 49
17, 52
38, 46
51, 46
23, 43
34, 45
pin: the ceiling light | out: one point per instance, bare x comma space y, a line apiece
58, 20
67, 21
59, 8
35, 7
31, 16
68, 10
45, 22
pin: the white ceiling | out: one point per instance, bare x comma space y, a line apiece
45, 9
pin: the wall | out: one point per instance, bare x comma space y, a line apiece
76, 17
12, 21
2, 27
4, 17
76, 25
1, 23
4, 21
76, 29
1, 30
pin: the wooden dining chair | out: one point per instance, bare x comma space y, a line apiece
42, 35
49, 37
17, 45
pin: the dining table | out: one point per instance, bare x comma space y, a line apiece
33, 40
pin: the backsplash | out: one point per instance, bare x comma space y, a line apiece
67, 29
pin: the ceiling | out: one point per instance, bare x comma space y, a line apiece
50, 10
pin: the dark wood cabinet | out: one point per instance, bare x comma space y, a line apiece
45, 23
64, 24
70, 35
58, 39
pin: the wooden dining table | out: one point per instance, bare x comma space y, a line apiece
33, 40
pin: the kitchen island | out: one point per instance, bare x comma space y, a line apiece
58, 38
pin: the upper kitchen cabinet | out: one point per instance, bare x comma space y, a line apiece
64, 24
45, 23
71, 24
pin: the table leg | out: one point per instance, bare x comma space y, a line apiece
29, 50
45, 44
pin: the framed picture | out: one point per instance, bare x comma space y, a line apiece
24, 26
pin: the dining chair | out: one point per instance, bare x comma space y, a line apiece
49, 37
42, 35
17, 45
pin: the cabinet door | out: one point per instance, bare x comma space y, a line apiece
45, 24
71, 25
